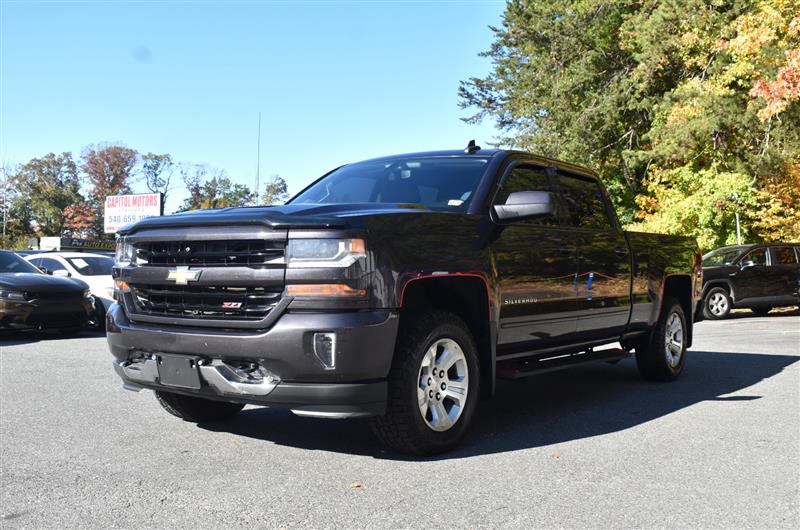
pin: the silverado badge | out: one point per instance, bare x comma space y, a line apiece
183, 275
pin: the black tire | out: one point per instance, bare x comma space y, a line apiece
197, 409
717, 304
99, 315
653, 359
403, 428
761, 311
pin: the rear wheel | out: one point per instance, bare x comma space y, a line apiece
197, 409
717, 304
433, 385
761, 311
662, 355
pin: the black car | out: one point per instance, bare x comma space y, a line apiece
758, 277
30, 299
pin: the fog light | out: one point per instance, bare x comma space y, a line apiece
325, 349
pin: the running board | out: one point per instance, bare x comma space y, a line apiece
519, 368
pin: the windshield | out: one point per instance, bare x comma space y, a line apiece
446, 183
10, 262
722, 256
92, 266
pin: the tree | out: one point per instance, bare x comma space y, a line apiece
157, 171
79, 219
658, 97
44, 188
276, 191
217, 192
193, 178
108, 169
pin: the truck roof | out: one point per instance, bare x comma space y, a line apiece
489, 152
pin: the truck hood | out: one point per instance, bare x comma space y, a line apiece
30, 281
287, 216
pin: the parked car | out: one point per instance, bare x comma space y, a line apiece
94, 269
30, 299
758, 277
398, 288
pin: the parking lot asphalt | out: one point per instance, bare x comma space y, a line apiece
594, 446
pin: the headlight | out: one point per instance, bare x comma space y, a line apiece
18, 296
124, 254
307, 253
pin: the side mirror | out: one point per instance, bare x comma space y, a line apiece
62, 273
747, 264
526, 205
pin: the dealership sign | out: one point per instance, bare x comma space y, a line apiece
122, 210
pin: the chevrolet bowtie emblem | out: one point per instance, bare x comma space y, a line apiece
183, 275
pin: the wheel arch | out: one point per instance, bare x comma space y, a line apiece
723, 283
679, 286
466, 296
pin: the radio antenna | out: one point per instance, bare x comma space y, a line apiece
258, 158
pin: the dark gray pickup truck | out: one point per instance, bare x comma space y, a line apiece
398, 288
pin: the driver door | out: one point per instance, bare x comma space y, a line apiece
752, 281
536, 265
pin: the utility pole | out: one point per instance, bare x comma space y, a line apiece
735, 199
258, 158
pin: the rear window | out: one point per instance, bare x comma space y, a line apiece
784, 255
584, 202
92, 266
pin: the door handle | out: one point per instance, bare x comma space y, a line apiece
566, 249
621, 251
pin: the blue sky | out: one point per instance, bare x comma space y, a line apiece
335, 82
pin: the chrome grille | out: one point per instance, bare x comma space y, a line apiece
205, 302
254, 253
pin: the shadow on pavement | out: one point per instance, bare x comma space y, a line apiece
542, 410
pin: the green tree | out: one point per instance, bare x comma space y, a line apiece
44, 188
215, 192
276, 191
157, 171
658, 97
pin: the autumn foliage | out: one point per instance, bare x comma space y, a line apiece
688, 109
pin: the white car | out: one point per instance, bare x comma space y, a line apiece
94, 269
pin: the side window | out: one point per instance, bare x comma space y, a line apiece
757, 256
52, 265
526, 178
784, 256
583, 199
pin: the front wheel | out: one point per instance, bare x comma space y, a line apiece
717, 304
661, 357
433, 385
197, 409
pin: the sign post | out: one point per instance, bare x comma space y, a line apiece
121, 210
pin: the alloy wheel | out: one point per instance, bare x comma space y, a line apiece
673, 339
443, 384
718, 304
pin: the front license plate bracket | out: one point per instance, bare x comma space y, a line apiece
178, 371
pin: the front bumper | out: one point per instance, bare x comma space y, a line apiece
292, 375
45, 314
